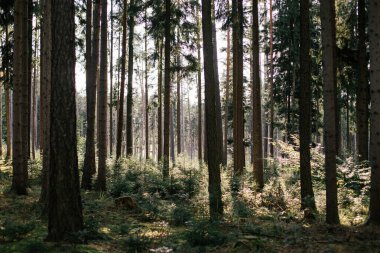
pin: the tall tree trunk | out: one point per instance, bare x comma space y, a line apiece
8, 102
329, 106
159, 94
256, 100
199, 84
147, 148
65, 205
374, 46
362, 97
228, 80
119, 137
92, 62
27, 127
307, 194
172, 144
271, 73
131, 23
45, 90
111, 84
167, 90
238, 93
214, 138
179, 99
102, 103
20, 166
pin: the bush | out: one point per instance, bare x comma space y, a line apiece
11, 231
181, 214
205, 233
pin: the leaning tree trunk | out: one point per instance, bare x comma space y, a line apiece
329, 107
65, 205
102, 103
214, 137
307, 194
362, 97
374, 33
131, 23
256, 100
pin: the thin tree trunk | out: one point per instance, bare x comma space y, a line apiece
199, 84
167, 90
102, 103
119, 137
374, 46
362, 97
159, 93
307, 193
329, 106
271, 70
65, 205
179, 140
227, 102
8, 110
147, 148
256, 100
131, 23
111, 84
92, 62
237, 34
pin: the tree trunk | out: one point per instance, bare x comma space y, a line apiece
146, 92
199, 84
20, 166
159, 94
27, 127
374, 46
92, 62
362, 97
167, 91
102, 103
111, 84
131, 23
228, 75
65, 205
45, 90
256, 100
119, 137
179, 132
238, 93
271, 70
329, 106
214, 138
307, 194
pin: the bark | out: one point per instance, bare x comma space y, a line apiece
307, 194
27, 128
20, 166
374, 46
92, 62
102, 103
119, 137
329, 106
271, 70
238, 123
256, 100
159, 93
362, 97
45, 89
131, 23
214, 138
199, 84
179, 132
167, 90
7, 103
111, 84
146, 93
64, 206
228, 80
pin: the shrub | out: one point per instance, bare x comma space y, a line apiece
204, 233
181, 214
11, 231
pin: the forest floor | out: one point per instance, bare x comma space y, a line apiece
111, 228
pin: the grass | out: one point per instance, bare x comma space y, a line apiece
172, 217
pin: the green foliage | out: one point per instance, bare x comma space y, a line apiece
181, 214
206, 233
12, 231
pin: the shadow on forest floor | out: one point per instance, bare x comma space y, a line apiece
111, 228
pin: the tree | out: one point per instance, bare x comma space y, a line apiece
167, 91
65, 205
122, 84
111, 105
131, 24
238, 123
20, 93
159, 94
374, 46
362, 97
199, 87
227, 89
92, 62
102, 103
257, 158
329, 107
307, 194
271, 73
147, 148
214, 137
